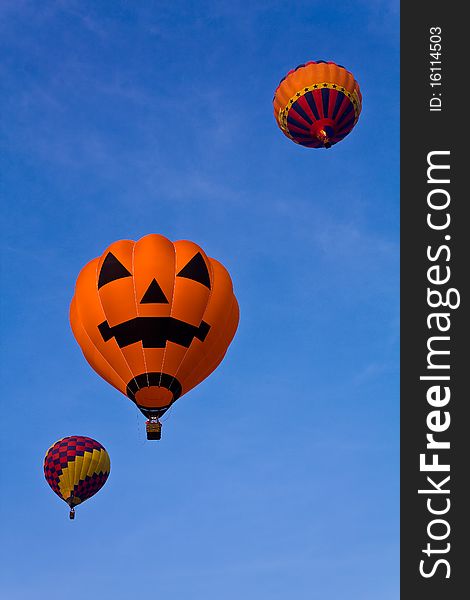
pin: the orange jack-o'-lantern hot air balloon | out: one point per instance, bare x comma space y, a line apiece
317, 104
154, 318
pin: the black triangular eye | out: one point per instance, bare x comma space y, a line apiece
111, 269
196, 269
154, 294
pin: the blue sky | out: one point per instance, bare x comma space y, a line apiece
278, 476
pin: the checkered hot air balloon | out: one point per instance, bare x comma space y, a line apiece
76, 467
317, 104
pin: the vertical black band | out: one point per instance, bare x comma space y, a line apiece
435, 258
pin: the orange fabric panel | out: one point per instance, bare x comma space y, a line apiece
154, 358
173, 358
191, 297
190, 302
154, 259
215, 352
96, 360
135, 357
217, 315
89, 312
118, 297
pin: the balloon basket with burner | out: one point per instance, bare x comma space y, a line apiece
70, 502
154, 429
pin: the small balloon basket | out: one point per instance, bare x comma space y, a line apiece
154, 429
71, 506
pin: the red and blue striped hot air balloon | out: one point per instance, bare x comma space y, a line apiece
76, 467
317, 104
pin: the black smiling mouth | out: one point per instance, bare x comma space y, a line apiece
153, 332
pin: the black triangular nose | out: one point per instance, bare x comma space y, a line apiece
154, 294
